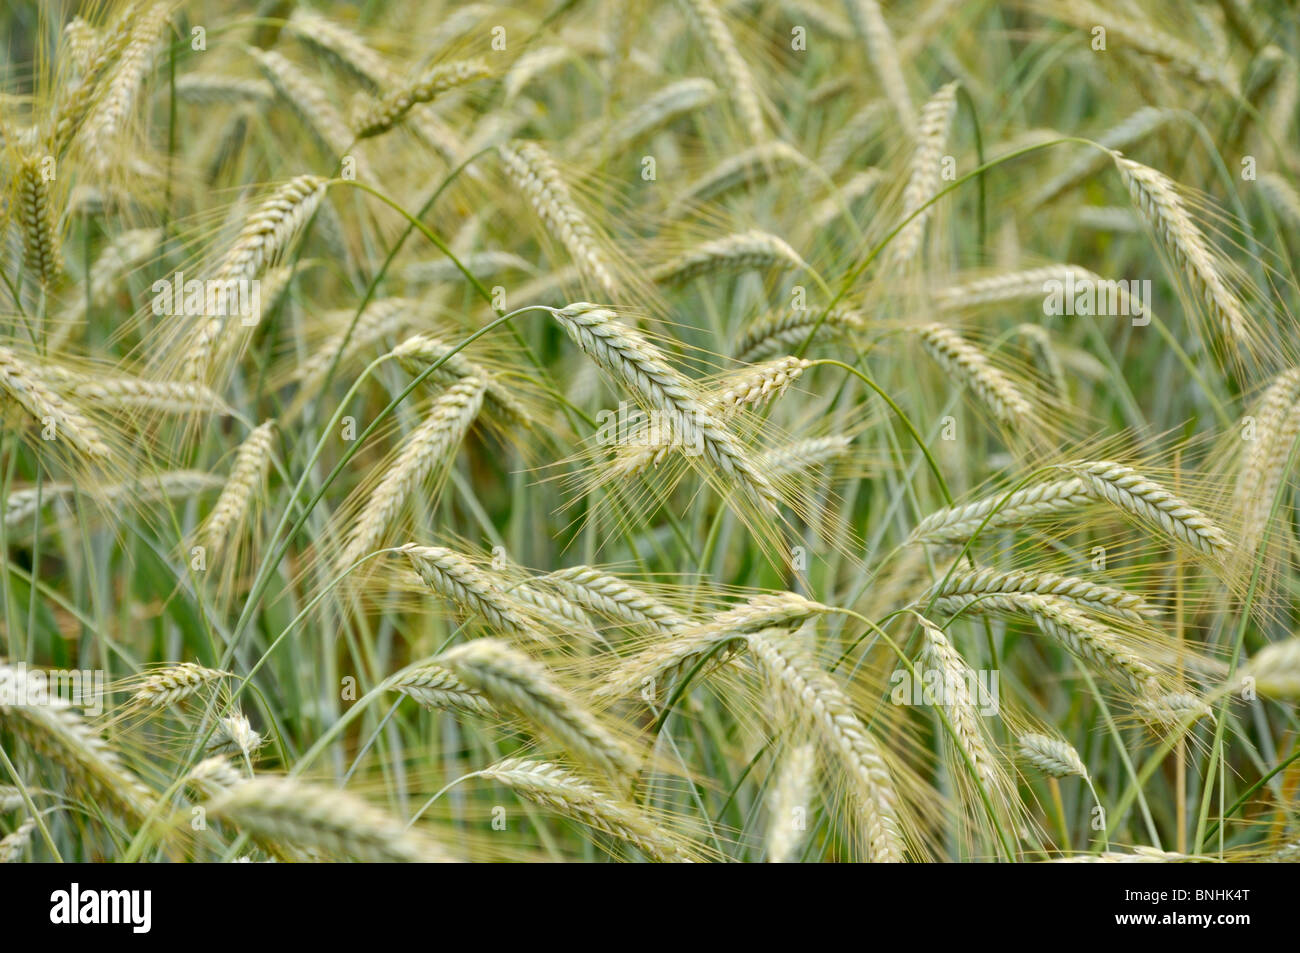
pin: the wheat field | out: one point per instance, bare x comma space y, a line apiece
649, 430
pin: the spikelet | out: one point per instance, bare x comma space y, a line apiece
420, 350
1158, 199
111, 112
202, 89
82, 41
1132, 130
375, 118
617, 600
22, 504
536, 176
243, 487
11, 798
455, 577
748, 387
923, 183
235, 735
52, 728
436, 687
78, 98
673, 100
13, 845
175, 683
842, 199
786, 331
625, 354
212, 776
963, 584
969, 365
309, 103
111, 392
512, 680
37, 214
1144, 37
23, 385
1081, 635
790, 804
1275, 670
343, 48
869, 23
752, 249
1128, 490
551, 786
427, 448
744, 168
1052, 756
1173, 709
808, 689
1276, 426
802, 456
378, 320
311, 815
732, 70
259, 245
958, 523
1009, 286
962, 709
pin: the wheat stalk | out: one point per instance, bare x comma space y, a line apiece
1157, 198
536, 176
512, 680
454, 576
923, 180
23, 384
243, 486
624, 353
961, 585
969, 365
429, 446
1123, 487
753, 249
869, 22
790, 804
375, 118
435, 687
280, 808
175, 683
551, 786
731, 66
813, 692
